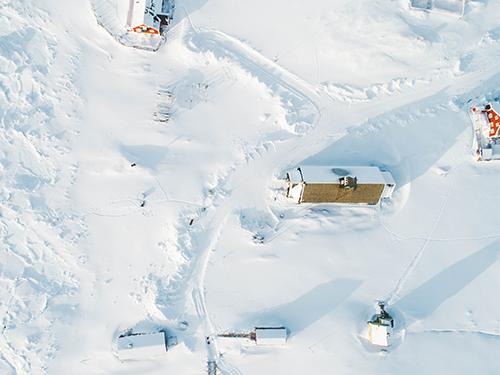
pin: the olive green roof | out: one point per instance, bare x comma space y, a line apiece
334, 193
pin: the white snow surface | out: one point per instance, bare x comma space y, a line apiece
93, 247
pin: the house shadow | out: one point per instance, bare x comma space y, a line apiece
187, 8
149, 156
423, 301
406, 143
307, 309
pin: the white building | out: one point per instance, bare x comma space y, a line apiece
270, 336
363, 185
381, 332
142, 345
381, 328
148, 16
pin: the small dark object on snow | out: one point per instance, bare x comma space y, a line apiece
282, 216
191, 222
133, 165
143, 203
258, 239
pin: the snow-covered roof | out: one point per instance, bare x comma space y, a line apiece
142, 345
380, 334
295, 176
388, 178
390, 185
381, 329
270, 336
329, 174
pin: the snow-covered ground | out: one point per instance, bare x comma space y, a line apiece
93, 246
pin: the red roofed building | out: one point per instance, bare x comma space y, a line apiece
494, 121
149, 16
486, 122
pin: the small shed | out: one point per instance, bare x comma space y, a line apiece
142, 345
270, 336
486, 154
148, 16
381, 328
324, 184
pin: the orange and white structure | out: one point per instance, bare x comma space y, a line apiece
149, 16
486, 121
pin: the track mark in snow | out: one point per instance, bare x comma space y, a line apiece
396, 293
161, 187
491, 334
417, 238
332, 119
298, 148
225, 368
248, 56
339, 18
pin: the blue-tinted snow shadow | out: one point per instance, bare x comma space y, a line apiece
148, 156
307, 309
423, 301
186, 8
407, 144
408, 140
16, 42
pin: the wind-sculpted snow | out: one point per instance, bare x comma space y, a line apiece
113, 222
297, 98
40, 233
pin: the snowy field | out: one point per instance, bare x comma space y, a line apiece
93, 247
